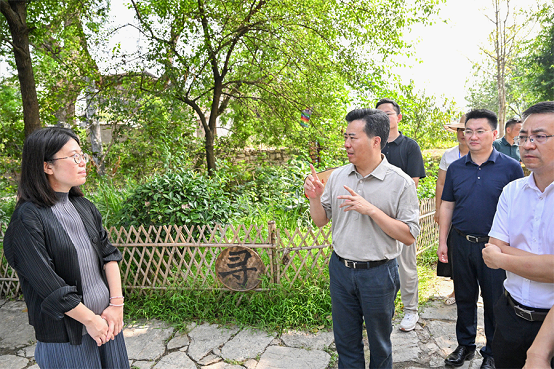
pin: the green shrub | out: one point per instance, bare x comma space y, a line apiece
109, 198
265, 192
182, 198
426, 186
11, 135
7, 206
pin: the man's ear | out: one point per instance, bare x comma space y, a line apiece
48, 168
494, 134
377, 142
399, 117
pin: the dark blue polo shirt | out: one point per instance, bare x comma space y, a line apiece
476, 188
405, 154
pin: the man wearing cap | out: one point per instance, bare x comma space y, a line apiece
506, 144
372, 205
471, 190
450, 155
522, 242
404, 153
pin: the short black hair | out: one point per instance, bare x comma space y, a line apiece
39, 147
544, 107
489, 115
377, 123
512, 122
389, 101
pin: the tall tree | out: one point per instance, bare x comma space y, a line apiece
54, 32
58, 34
504, 39
539, 62
15, 14
483, 92
512, 26
256, 65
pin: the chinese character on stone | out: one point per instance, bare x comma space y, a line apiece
239, 268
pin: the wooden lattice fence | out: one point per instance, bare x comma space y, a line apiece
176, 257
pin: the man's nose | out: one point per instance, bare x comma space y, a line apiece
528, 145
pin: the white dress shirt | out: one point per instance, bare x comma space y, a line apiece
524, 218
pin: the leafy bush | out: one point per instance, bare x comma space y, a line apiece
11, 135
109, 198
7, 206
426, 187
268, 192
182, 198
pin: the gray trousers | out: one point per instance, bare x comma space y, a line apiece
407, 269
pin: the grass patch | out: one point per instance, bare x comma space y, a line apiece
427, 272
306, 307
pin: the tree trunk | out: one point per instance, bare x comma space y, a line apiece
501, 107
15, 13
210, 155
501, 60
211, 132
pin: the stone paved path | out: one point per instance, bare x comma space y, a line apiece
154, 344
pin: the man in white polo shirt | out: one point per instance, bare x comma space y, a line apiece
522, 242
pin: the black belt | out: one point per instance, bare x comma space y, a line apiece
526, 312
361, 264
472, 238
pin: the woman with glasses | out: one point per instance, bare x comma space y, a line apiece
67, 267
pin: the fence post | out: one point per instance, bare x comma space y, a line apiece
273, 250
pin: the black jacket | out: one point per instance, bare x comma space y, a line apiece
45, 259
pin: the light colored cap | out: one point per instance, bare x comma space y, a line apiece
454, 126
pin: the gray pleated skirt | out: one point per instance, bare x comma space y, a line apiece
112, 355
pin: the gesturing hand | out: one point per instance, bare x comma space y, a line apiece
313, 187
355, 202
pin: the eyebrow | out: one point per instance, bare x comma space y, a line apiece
539, 130
349, 134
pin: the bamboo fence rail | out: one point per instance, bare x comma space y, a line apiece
176, 257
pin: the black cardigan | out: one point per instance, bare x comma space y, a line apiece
45, 259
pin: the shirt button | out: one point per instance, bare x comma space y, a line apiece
478, 177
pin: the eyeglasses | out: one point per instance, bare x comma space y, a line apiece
77, 158
478, 133
521, 140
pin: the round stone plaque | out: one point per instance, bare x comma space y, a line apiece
239, 268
